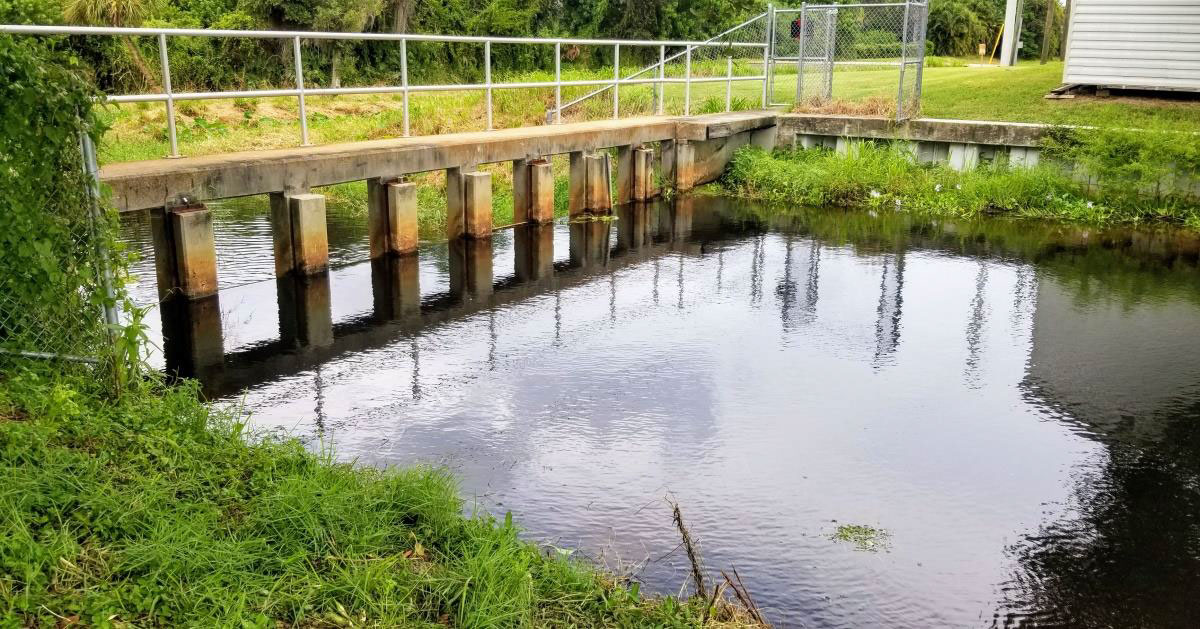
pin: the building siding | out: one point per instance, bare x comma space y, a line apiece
1150, 44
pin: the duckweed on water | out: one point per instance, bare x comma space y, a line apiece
863, 537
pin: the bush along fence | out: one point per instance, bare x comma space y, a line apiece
61, 269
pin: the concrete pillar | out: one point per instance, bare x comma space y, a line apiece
471, 268
310, 239
842, 146
963, 156
396, 287
577, 184
164, 252
456, 220
281, 233
643, 174
1023, 156
195, 252
305, 312
533, 191
298, 233
541, 195
626, 178
522, 190
193, 342
667, 149
599, 183
534, 248
391, 217
685, 157
477, 196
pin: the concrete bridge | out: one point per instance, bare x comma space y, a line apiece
690, 151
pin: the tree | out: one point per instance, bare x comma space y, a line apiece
320, 15
123, 13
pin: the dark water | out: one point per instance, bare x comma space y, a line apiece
1016, 405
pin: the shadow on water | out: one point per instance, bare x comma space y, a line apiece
1015, 403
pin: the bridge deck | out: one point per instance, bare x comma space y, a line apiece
151, 184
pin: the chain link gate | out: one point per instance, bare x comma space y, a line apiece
864, 58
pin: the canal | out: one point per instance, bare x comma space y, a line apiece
1012, 407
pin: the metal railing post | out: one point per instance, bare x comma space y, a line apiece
91, 169
687, 82
903, 62
616, 80
728, 83
165, 63
662, 73
769, 57
802, 47
558, 82
487, 79
300, 90
404, 80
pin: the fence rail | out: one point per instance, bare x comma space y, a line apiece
300, 91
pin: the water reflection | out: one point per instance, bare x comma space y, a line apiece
1015, 403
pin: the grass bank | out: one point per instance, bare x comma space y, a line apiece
156, 510
886, 177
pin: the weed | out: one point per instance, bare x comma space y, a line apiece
865, 538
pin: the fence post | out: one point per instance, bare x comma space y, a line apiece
558, 82
921, 57
616, 80
687, 81
768, 86
729, 83
165, 64
830, 50
92, 171
487, 79
300, 89
903, 61
404, 80
662, 73
802, 46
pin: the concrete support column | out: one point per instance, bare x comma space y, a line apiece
599, 183
842, 145
477, 197
577, 184
684, 162
191, 266
305, 310
456, 220
533, 191
396, 287
643, 174
541, 191
471, 268
534, 248
765, 138
626, 178
299, 236
963, 156
1023, 156
391, 217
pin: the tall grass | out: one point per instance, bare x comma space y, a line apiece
887, 177
156, 510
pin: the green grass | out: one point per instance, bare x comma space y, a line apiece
156, 510
887, 178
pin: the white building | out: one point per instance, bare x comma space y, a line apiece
1134, 44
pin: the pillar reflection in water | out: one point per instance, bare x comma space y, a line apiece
396, 287
633, 226
534, 252
470, 268
589, 245
193, 342
305, 316
889, 311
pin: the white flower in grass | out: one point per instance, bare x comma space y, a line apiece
875, 194
937, 188
1089, 204
958, 186
897, 204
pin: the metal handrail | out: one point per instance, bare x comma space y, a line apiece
169, 96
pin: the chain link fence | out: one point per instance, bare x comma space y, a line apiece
60, 303
849, 58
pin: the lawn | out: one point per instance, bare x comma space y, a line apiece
138, 131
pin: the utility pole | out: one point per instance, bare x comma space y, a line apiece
1046, 28
1011, 39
